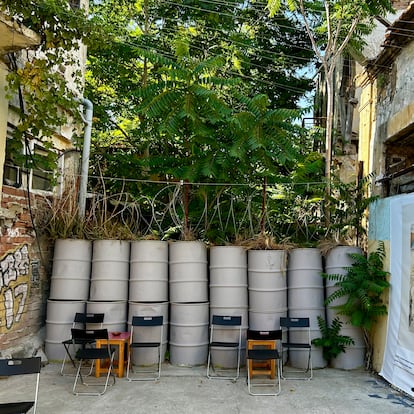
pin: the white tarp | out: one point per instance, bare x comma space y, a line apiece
398, 364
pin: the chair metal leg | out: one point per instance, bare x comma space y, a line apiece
273, 384
104, 385
308, 369
72, 361
210, 368
157, 372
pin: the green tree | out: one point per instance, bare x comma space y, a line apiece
265, 56
266, 53
333, 26
172, 96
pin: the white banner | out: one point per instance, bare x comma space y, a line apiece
398, 364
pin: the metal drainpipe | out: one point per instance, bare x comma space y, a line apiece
87, 118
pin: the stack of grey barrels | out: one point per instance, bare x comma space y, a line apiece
109, 282
69, 291
148, 294
228, 297
189, 306
306, 297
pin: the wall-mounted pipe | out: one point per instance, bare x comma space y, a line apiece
87, 118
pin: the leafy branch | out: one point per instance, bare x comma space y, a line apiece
332, 342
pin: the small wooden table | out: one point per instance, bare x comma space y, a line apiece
119, 340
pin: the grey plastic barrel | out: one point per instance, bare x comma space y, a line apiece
149, 356
189, 328
148, 280
267, 285
228, 276
115, 319
59, 319
188, 279
71, 270
110, 270
306, 299
336, 262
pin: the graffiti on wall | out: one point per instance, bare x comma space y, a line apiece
14, 286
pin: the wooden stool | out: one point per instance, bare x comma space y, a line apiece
121, 340
262, 368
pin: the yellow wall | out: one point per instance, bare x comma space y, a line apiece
372, 163
380, 331
366, 125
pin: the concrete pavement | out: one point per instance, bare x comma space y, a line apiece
183, 390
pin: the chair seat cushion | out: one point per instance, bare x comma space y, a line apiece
16, 407
225, 344
296, 345
93, 353
145, 344
262, 354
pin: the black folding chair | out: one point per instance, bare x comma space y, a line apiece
151, 338
263, 361
223, 335
20, 366
89, 352
81, 321
299, 340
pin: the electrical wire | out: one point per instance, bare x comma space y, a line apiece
198, 183
234, 73
281, 54
230, 15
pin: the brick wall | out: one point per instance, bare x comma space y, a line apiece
24, 266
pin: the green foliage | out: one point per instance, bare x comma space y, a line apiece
332, 342
362, 288
153, 42
342, 10
348, 204
49, 80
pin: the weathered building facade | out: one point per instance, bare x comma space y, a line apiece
21, 298
386, 152
374, 137
25, 193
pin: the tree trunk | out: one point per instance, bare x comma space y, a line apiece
328, 141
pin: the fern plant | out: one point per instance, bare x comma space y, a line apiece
332, 342
362, 287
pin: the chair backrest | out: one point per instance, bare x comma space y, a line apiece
294, 322
147, 320
225, 320
21, 366
84, 318
264, 335
88, 335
